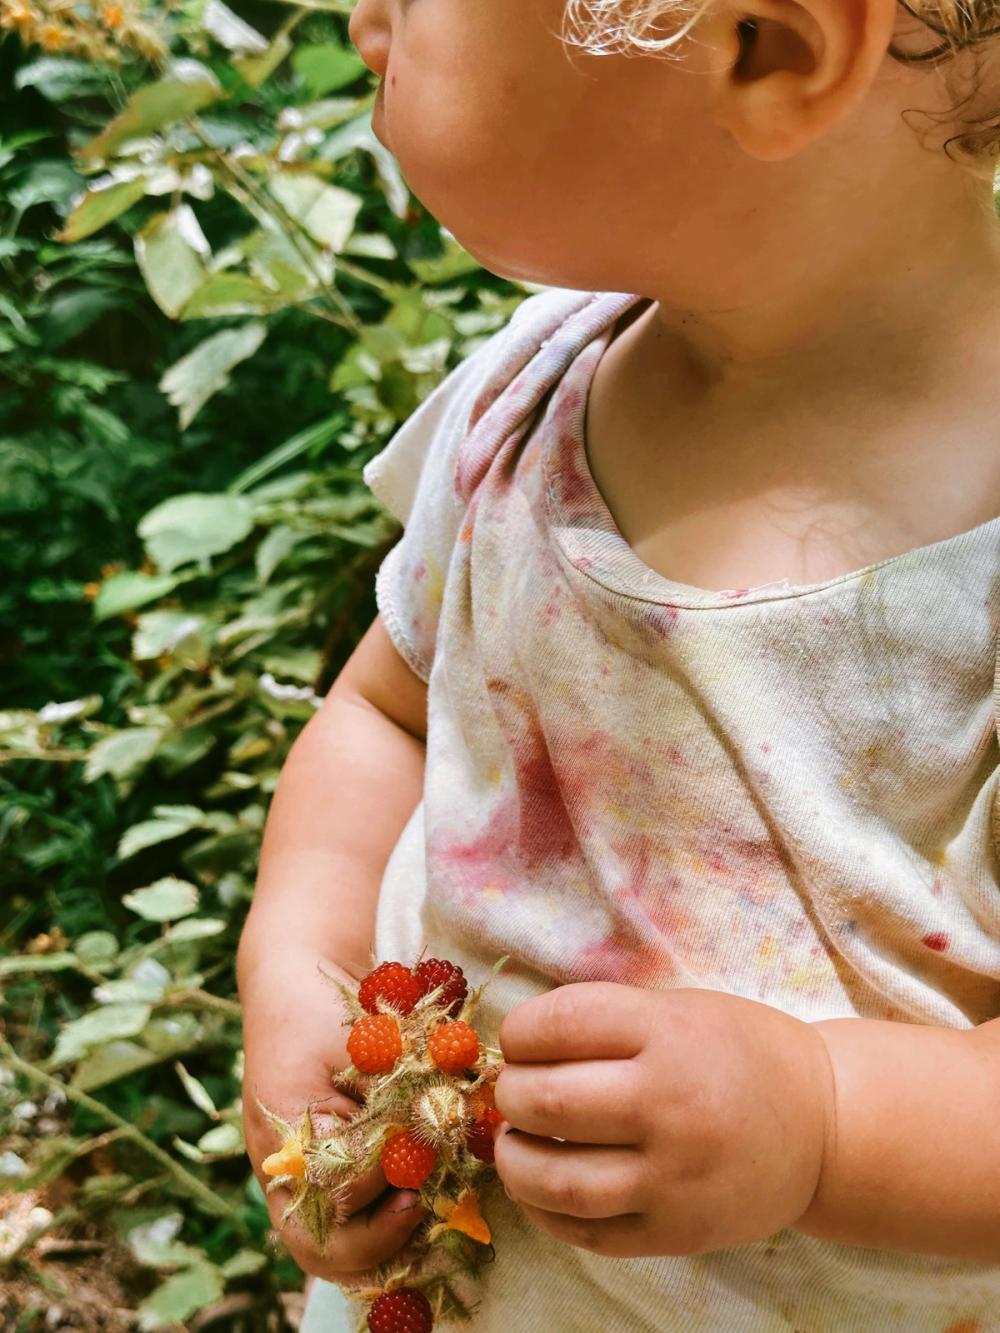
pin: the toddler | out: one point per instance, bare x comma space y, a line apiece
683, 688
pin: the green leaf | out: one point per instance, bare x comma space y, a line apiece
327, 67
180, 1297
243, 1263
223, 1140
122, 753
195, 1090
195, 527
196, 928
171, 822
172, 253
304, 441
229, 294
256, 69
166, 900
125, 592
278, 543
36, 962
325, 211
96, 948
155, 1245
159, 632
191, 381
108, 1023
103, 201
59, 77
187, 87
230, 31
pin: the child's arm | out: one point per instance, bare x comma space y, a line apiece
351, 782
914, 1157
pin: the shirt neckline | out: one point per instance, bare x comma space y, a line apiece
587, 532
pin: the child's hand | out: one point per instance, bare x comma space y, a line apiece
293, 1044
694, 1120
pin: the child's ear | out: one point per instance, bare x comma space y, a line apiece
788, 71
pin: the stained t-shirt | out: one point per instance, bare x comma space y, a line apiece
786, 792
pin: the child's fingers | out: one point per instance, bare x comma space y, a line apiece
366, 1240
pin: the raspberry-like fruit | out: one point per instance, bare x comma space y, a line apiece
375, 1043
406, 1161
393, 983
453, 1047
480, 1138
405, 1310
435, 971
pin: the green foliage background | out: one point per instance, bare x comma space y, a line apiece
187, 555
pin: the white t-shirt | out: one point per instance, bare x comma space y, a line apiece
786, 792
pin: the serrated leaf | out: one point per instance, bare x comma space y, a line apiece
109, 1023
166, 900
185, 88
191, 381
101, 203
195, 527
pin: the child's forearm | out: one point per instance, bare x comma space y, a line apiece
913, 1158
351, 782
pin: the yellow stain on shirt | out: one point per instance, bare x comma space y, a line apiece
768, 948
846, 780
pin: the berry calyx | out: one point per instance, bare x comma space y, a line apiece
406, 1161
405, 1310
453, 1047
392, 983
438, 971
481, 1136
375, 1043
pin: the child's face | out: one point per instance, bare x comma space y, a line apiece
547, 163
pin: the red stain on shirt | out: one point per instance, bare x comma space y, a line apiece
938, 941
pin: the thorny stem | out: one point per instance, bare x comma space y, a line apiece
210, 1201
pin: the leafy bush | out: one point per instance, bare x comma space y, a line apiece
240, 304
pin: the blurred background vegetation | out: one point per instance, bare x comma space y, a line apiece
218, 300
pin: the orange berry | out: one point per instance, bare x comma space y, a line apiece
287, 1161
406, 1161
453, 1047
375, 1043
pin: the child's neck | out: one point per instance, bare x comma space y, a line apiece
818, 428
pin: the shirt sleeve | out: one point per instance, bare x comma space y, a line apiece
414, 478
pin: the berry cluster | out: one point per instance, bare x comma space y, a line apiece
428, 1120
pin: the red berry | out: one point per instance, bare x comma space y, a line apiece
404, 1310
432, 972
480, 1138
393, 983
406, 1161
375, 1043
453, 1047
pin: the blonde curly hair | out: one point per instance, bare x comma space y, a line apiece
648, 27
